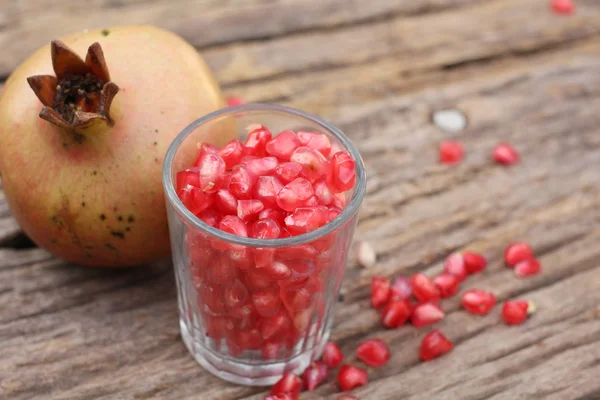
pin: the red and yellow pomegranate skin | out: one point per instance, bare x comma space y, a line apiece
98, 200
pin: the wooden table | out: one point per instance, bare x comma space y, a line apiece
377, 69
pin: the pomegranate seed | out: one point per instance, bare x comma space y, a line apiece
401, 288
278, 270
280, 396
317, 141
455, 265
258, 279
250, 339
451, 152
265, 229
447, 285
234, 225
426, 314
350, 377
396, 313
242, 182
528, 268
322, 192
257, 139
515, 312
223, 271
190, 176
334, 212
246, 313
373, 352
294, 194
288, 171
195, 199
261, 166
274, 214
314, 164
312, 202
267, 302
306, 219
346, 397
226, 202
365, 255
474, 262
234, 101
283, 145
565, 7
314, 375
380, 291
434, 344
249, 209
235, 295
276, 325
424, 289
343, 173
232, 153
212, 168
517, 252
210, 217
478, 301
212, 296
505, 154
271, 350
290, 383
332, 355
266, 190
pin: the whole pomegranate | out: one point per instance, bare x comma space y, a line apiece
83, 175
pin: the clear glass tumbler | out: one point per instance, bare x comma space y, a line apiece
222, 278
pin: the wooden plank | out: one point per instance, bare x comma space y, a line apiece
76, 329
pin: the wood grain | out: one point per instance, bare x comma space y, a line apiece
378, 70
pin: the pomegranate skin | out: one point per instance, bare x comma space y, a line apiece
98, 200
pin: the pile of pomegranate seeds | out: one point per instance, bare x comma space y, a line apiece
519, 256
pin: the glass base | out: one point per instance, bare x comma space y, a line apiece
249, 373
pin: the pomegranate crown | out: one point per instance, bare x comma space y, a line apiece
79, 97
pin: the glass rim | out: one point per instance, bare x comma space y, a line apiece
350, 210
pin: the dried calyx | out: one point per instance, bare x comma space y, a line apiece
79, 97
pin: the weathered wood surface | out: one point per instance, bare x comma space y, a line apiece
377, 69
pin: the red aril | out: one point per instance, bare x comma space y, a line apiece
447, 285
312, 202
233, 101
288, 171
258, 279
396, 313
300, 251
478, 301
426, 314
257, 139
232, 153
190, 176
277, 325
322, 192
314, 164
266, 228
195, 199
517, 252
274, 214
306, 219
290, 383
350, 377
277, 270
317, 141
373, 352
343, 173
249, 339
212, 169
451, 152
380, 291
424, 289
332, 355
234, 225
281, 396
401, 288
474, 262
334, 212
339, 200
261, 166
235, 295
212, 297
505, 154
515, 312
248, 209
565, 7
246, 314
455, 265
295, 194
242, 182
434, 344
210, 217
222, 271
346, 397
283, 145
226, 202
528, 268
314, 375
266, 190
267, 302
272, 350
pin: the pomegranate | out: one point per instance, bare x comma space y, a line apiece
84, 180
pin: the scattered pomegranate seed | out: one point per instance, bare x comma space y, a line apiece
290, 383
346, 397
517, 252
474, 262
505, 154
426, 314
455, 265
365, 255
451, 152
478, 301
280, 396
373, 352
314, 375
447, 285
350, 377
424, 289
380, 291
234, 101
515, 312
565, 7
396, 313
528, 268
401, 288
434, 344
332, 355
